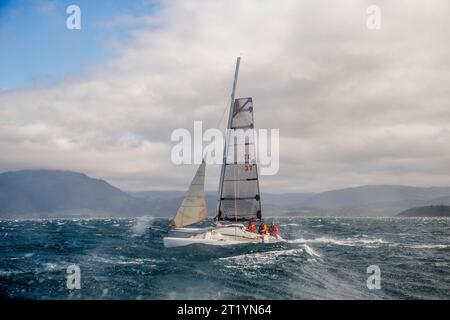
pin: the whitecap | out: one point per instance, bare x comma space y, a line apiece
141, 225
8, 273
121, 260
340, 242
257, 260
54, 266
290, 225
430, 246
311, 251
441, 264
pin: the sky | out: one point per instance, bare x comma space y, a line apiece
354, 106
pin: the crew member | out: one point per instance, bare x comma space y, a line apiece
263, 228
273, 229
251, 227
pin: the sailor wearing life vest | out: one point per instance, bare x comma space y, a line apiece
251, 227
263, 228
273, 229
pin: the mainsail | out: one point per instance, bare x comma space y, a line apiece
239, 196
193, 207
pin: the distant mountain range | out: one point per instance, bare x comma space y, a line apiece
37, 193
428, 211
47, 193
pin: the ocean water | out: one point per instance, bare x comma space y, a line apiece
324, 258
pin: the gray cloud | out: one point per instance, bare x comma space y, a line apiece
353, 106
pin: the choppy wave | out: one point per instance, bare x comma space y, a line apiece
52, 266
311, 251
258, 258
121, 260
431, 246
340, 242
141, 225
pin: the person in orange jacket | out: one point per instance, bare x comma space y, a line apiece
263, 228
251, 227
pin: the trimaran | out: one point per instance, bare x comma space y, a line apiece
238, 197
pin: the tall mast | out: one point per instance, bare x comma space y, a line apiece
230, 117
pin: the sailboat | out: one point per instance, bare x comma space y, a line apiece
239, 197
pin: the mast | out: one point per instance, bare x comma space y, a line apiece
230, 116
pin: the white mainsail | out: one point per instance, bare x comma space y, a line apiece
193, 207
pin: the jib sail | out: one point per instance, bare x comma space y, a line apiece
193, 207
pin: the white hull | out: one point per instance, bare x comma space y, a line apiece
187, 232
190, 230
221, 236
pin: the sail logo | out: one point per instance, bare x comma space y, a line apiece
239, 146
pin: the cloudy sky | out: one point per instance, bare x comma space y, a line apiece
354, 106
